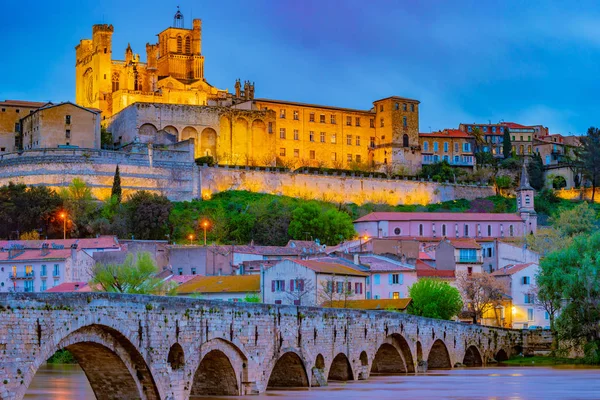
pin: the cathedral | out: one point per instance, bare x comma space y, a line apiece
167, 99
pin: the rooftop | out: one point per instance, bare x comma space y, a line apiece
35, 255
512, 269
451, 133
23, 103
101, 242
383, 264
68, 287
221, 284
329, 268
439, 216
372, 304
295, 103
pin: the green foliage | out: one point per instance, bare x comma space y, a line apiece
208, 160
135, 276
434, 299
578, 220
116, 187
106, 139
589, 156
535, 169
506, 143
441, 172
511, 163
504, 182
546, 202
559, 182
62, 356
79, 205
326, 224
571, 276
148, 215
252, 298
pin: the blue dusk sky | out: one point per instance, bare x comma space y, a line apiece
532, 62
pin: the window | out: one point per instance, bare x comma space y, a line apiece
396, 279
435, 147
358, 140
485, 129
420, 229
528, 149
529, 138
425, 146
380, 107
322, 118
339, 287
467, 255
404, 122
349, 121
358, 158
17, 127
404, 107
188, 47
376, 279
297, 153
55, 283
179, 44
372, 141
56, 271
67, 119
312, 154
180, 271
511, 230
282, 113
278, 286
530, 314
282, 152
381, 123
332, 119
333, 138
546, 315
470, 128
526, 280
28, 270
396, 106
43, 286
17, 110
466, 230
527, 199
295, 114
405, 140
349, 140
412, 108
43, 270
513, 138
445, 147
297, 285
193, 271
333, 156
358, 288
68, 133
528, 298
357, 121
493, 129
270, 127
311, 117
296, 134
489, 230
372, 123
395, 295
281, 133
349, 158
322, 137
456, 159
311, 136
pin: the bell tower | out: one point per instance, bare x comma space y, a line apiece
525, 203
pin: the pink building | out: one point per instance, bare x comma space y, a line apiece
389, 279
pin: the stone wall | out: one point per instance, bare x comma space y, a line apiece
335, 188
150, 347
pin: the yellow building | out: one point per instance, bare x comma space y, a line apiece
61, 125
173, 73
11, 112
450, 145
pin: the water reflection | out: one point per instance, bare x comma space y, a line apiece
67, 382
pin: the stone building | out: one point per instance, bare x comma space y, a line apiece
521, 136
11, 112
450, 145
61, 125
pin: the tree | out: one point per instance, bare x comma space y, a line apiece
79, 203
434, 298
571, 277
481, 292
137, 275
328, 225
479, 139
31, 235
148, 215
502, 183
441, 172
300, 291
333, 290
116, 187
578, 220
106, 139
589, 156
550, 302
506, 144
535, 169
546, 240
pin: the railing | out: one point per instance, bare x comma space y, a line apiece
21, 275
469, 260
428, 161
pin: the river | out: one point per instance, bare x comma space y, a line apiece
68, 382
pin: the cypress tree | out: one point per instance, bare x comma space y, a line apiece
116, 188
507, 144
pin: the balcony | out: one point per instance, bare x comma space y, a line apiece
21, 275
469, 260
462, 162
21, 289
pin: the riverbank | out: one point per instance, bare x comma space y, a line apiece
541, 361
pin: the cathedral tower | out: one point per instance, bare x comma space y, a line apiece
180, 50
525, 202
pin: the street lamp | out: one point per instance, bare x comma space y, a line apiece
63, 215
191, 237
204, 226
365, 238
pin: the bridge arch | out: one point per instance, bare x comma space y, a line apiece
393, 356
340, 369
289, 371
113, 365
473, 357
438, 357
501, 355
176, 357
220, 364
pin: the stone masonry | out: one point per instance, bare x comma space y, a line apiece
149, 347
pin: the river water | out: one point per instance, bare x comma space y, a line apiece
68, 382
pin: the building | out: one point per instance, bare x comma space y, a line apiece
459, 255
525, 206
310, 282
11, 112
390, 279
225, 288
522, 136
451, 145
36, 270
520, 278
61, 125
398, 305
70, 287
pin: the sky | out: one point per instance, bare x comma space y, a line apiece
531, 62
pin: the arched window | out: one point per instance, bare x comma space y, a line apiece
179, 44
188, 45
115, 81
527, 199
405, 140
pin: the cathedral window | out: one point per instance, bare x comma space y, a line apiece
188, 45
179, 44
115, 82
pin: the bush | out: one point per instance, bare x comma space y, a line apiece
208, 160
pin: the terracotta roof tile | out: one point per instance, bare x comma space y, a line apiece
382, 264
512, 269
36, 255
329, 268
102, 242
438, 216
446, 133
221, 284
67, 287
371, 304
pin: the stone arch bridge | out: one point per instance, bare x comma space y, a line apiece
149, 347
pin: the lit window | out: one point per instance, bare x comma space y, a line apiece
349, 140
322, 137
358, 140
322, 118
311, 136
282, 114
381, 123
295, 115
296, 153
332, 119
333, 138
296, 134
282, 152
282, 133
349, 121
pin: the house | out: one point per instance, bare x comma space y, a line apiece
311, 282
69, 287
460, 255
450, 145
373, 304
36, 270
521, 281
226, 288
390, 279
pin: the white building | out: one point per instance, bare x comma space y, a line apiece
310, 282
521, 280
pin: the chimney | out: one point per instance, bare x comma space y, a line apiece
74, 252
45, 250
356, 259
76, 286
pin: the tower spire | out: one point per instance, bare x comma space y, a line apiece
525, 179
